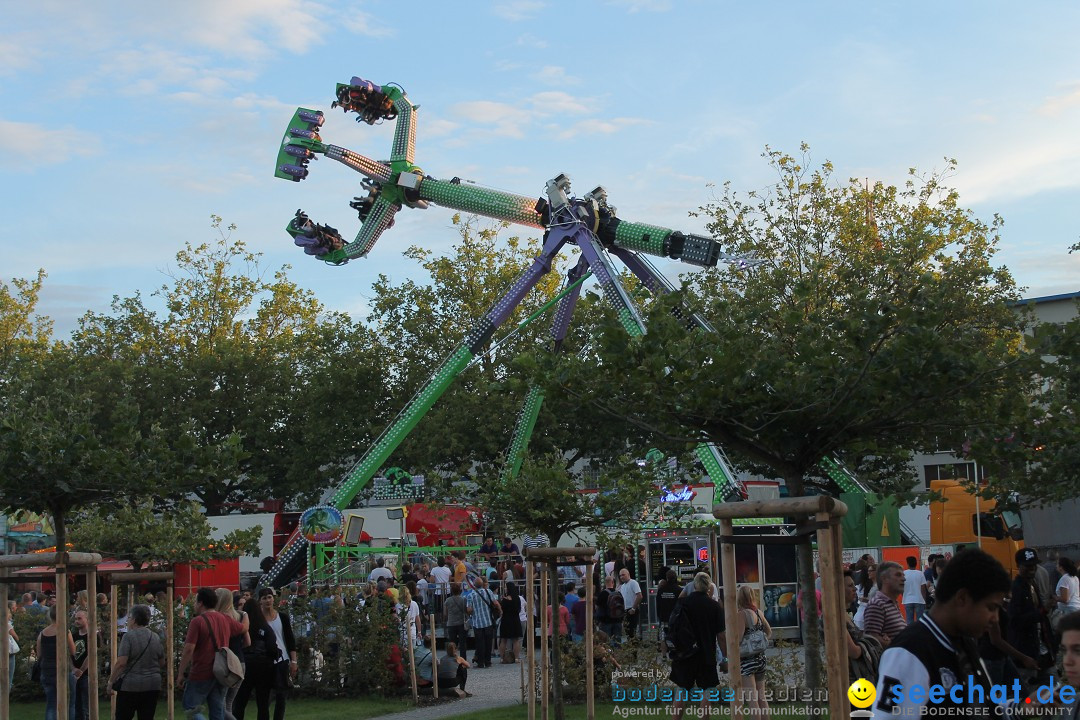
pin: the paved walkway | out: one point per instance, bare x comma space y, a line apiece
496, 686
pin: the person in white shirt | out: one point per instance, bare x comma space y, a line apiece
631, 594
440, 577
915, 594
380, 572
1067, 591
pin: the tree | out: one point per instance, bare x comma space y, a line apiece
21, 329
139, 535
545, 498
69, 437
875, 321
242, 358
1034, 453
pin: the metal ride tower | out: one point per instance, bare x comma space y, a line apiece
588, 222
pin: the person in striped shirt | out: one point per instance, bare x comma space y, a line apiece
882, 617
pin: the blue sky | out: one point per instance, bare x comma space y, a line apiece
125, 125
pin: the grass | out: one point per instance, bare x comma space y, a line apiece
302, 709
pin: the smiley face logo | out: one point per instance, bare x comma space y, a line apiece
862, 693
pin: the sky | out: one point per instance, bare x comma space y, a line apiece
126, 125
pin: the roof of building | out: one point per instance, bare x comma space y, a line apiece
1049, 298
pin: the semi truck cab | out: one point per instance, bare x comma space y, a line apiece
960, 520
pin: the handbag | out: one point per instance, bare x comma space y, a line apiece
496, 611
228, 670
754, 641
119, 681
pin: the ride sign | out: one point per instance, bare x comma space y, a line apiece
322, 524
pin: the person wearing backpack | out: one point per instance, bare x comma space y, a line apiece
208, 631
667, 593
702, 616
602, 612
755, 633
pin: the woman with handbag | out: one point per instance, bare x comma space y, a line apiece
227, 606
137, 682
755, 633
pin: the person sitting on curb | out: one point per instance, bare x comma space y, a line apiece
453, 670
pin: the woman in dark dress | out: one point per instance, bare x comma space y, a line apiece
510, 627
259, 660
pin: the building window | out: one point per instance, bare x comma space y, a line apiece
963, 471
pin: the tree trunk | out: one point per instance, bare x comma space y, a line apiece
811, 621
60, 528
556, 655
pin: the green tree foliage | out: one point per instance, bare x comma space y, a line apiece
1033, 455
875, 321
545, 498
137, 534
245, 359
69, 437
22, 330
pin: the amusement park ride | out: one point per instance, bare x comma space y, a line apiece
588, 222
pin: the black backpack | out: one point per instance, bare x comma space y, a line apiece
616, 607
679, 637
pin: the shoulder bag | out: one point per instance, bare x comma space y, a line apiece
496, 611
119, 681
228, 670
754, 640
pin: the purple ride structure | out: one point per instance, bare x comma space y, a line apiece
587, 222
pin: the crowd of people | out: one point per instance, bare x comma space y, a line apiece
940, 623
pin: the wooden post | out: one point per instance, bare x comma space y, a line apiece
63, 657
590, 681
545, 661
5, 658
714, 558
841, 593
113, 598
412, 660
434, 661
530, 638
170, 648
835, 657
92, 640
731, 612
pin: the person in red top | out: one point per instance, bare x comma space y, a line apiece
208, 631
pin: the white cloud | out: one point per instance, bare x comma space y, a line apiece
16, 55
554, 75
558, 102
437, 127
362, 23
508, 121
528, 40
34, 145
634, 6
599, 126
518, 10
1057, 104
248, 28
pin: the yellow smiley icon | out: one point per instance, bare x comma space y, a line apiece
862, 693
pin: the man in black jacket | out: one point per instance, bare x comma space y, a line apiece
1027, 623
